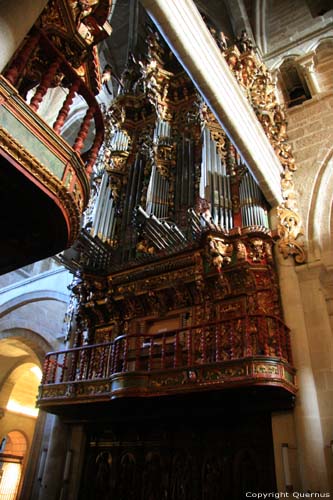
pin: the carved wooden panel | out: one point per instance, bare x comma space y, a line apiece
205, 459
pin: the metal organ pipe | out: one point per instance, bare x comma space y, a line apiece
99, 205
215, 183
149, 200
253, 205
109, 206
119, 141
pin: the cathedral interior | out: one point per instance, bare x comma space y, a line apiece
166, 257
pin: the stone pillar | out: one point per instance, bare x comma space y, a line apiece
316, 287
308, 67
310, 443
16, 19
30, 483
77, 446
52, 480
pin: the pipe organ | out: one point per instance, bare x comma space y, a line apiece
178, 228
168, 178
170, 171
176, 288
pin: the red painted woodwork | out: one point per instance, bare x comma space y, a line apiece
247, 336
58, 68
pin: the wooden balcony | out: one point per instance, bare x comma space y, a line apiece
251, 350
44, 180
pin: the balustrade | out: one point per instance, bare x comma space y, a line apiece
56, 69
216, 342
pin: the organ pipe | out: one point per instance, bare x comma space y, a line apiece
157, 194
252, 202
215, 183
104, 211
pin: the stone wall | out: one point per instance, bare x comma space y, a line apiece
290, 21
310, 130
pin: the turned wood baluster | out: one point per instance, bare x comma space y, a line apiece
44, 85
63, 368
116, 366
217, 344
100, 362
108, 367
46, 368
84, 357
203, 346
94, 152
86, 365
21, 60
151, 353
84, 129
125, 355
247, 347
176, 349
63, 113
113, 358
72, 365
163, 351
54, 369
231, 327
138, 343
189, 347
90, 364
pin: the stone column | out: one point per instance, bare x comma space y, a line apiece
316, 287
310, 443
16, 19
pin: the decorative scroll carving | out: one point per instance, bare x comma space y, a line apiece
259, 87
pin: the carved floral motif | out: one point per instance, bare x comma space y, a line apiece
259, 88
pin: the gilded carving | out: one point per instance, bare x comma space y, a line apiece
257, 83
220, 252
257, 249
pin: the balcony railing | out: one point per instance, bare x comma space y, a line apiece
55, 65
250, 349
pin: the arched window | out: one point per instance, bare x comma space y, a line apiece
13, 450
293, 84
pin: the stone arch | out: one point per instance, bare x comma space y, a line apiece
326, 41
35, 296
319, 227
34, 341
12, 376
